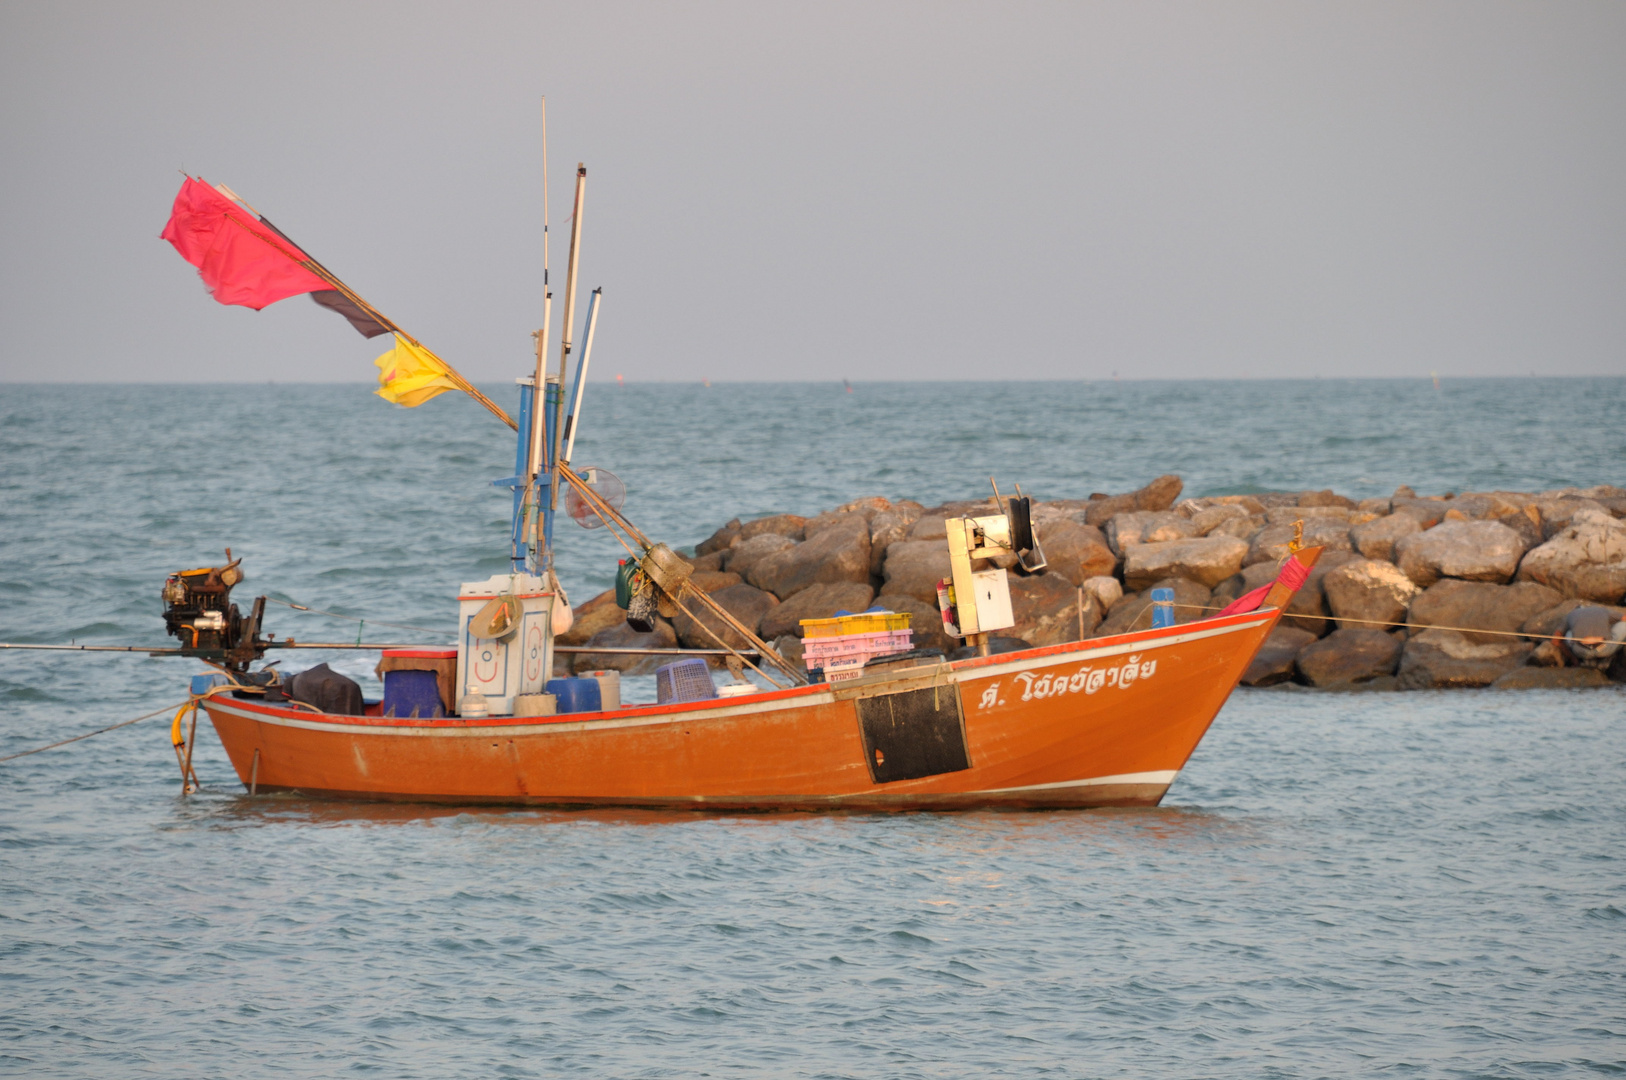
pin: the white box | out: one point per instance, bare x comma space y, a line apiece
993, 591
502, 670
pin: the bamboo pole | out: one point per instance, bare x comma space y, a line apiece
310, 264
565, 326
609, 513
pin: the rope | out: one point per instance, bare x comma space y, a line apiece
1376, 622
98, 731
691, 591
352, 618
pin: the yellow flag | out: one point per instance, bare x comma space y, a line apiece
410, 374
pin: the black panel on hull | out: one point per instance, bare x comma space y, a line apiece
913, 734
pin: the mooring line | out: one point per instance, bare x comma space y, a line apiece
1410, 625
98, 731
352, 618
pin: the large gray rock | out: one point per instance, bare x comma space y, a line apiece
599, 613
712, 560
1376, 538
851, 520
1274, 662
623, 636
1558, 513
1210, 518
1441, 659
1134, 610
837, 552
744, 602
1273, 541
1308, 609
1107, 591
1551, 678
1248, 503
1470, 550
869, 506
1426, 512
709, 581
1325, 498
740, 558
720, 540
1351, 654
1552, 620
1586, 560
1047, 609
1479, 605
1145, 527
1208, 560
1227, 590
914, 567
925, 621
1076, 552
886, 528
789, 525
1368, 590
1258, 574
928, 527
815, 602
1286, 515
1528, 527
1160, 494
1243, 528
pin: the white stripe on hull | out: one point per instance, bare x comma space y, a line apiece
1164, 777
824, 696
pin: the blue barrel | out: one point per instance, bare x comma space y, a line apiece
412, 694
1162, 607
576, 695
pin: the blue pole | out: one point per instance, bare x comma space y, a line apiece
1162, 607
551, 399
517, 551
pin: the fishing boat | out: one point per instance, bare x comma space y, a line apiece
1101, 722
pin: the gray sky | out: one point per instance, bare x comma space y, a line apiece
815, 191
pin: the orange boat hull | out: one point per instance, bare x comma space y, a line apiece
1106, 722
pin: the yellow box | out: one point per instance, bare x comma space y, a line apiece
869, 623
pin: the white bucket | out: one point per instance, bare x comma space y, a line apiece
472, 706
609, 688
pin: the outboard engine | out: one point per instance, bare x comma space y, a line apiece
199, 611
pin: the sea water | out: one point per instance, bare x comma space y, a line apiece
1424, 884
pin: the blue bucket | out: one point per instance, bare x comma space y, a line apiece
576, 695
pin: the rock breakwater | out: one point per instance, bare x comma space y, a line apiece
1411, 592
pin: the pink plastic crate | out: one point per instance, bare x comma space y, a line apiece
841, 670
878, 644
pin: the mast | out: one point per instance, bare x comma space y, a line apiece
564, 353
535, 459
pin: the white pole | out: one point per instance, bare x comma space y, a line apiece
574, 420
538, 388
